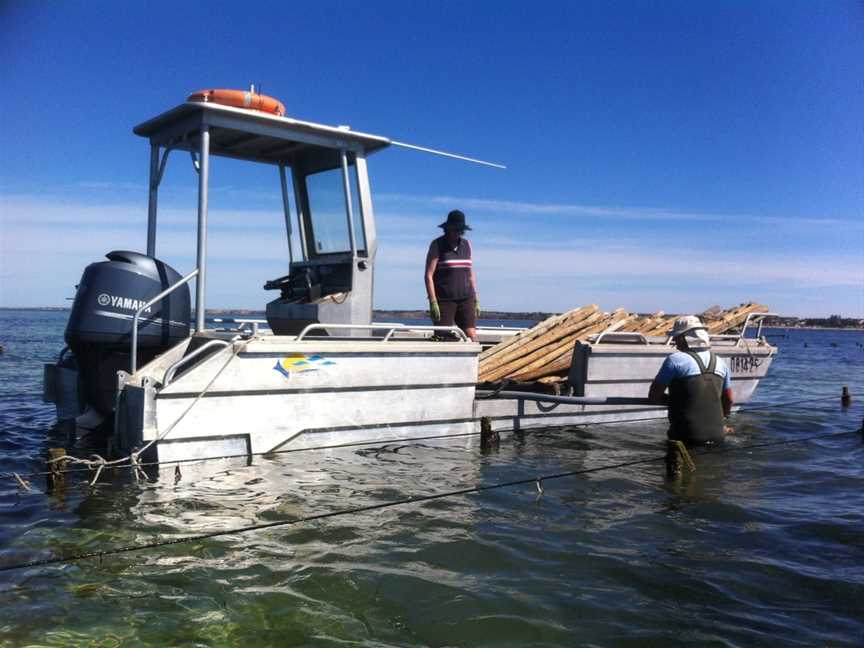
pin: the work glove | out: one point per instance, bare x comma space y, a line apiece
477, 307
435, 311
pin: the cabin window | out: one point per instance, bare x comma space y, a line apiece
327, 212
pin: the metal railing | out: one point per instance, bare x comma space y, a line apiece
621, 336
755, 316
502, 328
390, 328
242, 323
169, 373
159, 297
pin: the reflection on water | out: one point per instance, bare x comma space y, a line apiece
755, 546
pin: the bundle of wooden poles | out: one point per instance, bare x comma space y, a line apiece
543, 353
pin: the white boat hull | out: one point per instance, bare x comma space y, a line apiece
625, 371
278, 394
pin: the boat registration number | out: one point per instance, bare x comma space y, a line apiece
743, 364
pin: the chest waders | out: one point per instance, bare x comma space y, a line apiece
695, 405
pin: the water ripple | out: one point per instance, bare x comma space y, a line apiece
756, 547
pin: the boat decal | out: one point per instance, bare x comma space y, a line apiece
126, 303
295, 363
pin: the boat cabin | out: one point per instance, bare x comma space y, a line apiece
335, 226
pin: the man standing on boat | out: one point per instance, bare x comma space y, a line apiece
700, 390
450, 280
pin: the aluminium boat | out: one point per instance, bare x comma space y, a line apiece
170, 384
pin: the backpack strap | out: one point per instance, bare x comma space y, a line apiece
712, 362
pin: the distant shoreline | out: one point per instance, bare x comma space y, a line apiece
534, 316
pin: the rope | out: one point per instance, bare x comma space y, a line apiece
133, 457
22, 482
246, 455
90, 463
755, 408
537, 481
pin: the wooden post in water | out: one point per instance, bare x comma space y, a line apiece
56, 479
845, 397
677, 457
488, 436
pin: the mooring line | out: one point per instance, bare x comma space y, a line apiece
117, 462
419, 499
134, 457
247, 455
756, 408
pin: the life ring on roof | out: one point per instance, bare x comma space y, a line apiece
240, 99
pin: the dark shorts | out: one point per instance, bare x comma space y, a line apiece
461, 313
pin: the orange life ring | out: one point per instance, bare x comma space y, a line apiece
240, 99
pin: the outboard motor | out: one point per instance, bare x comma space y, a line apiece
99, 331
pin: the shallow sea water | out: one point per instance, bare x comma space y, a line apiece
758, 547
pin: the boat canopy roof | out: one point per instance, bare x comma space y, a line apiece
256, 136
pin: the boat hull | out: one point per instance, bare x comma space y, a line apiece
277, 394
625, 371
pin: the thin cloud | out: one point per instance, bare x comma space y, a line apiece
119, 187
624, 213
531, 272
633, 263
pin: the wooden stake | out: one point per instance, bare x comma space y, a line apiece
519, 347
546, 349
488, 436
560, 358
502, 364
523, 336
677, 457
56, 478
548, 345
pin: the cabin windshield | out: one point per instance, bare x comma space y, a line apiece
328, 217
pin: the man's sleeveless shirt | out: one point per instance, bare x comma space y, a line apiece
452, 276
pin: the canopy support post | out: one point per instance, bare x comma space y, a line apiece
286, 208
203, 185
154, 196
365, 200
298, 203
346, 184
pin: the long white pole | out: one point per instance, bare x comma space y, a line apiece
445, 154
203, 184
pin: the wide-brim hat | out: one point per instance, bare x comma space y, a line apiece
456, 220
690, 326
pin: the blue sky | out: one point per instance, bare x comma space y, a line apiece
661, 155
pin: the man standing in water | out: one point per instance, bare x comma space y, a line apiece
450, 280
700, 390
